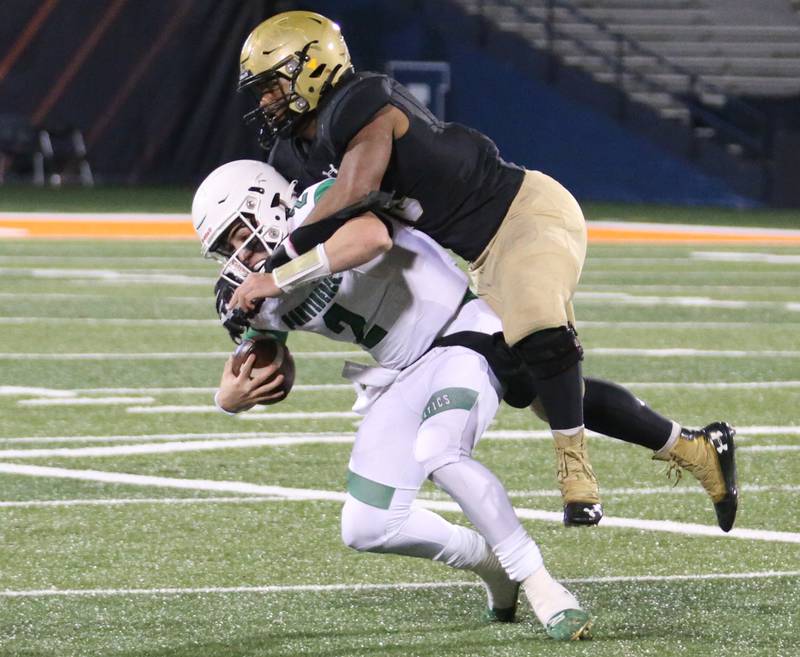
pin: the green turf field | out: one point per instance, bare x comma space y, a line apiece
180, 558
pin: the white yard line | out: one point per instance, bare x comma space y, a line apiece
106, 321
251, 415
224, 439
24, 391
173, 355
704, 325
686, 529
309, 437
206, 355
85, 401
133, 501
398, 586
743, 256
21, 391
171, 447
625, 299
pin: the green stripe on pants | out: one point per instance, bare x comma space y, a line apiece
368, 491
448, 399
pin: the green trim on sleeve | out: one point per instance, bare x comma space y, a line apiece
322, 188
368, 491
253, 334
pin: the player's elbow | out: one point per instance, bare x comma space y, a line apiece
376, 237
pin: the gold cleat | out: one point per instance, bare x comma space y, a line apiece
579, 490
708, 453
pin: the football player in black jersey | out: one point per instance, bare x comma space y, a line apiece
523, 233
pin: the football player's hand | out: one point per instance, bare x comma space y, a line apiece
254, 288
241, 392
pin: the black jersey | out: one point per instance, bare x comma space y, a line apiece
455, 172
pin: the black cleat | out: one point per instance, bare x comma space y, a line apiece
720, 435
582, 514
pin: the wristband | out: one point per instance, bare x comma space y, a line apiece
311, 266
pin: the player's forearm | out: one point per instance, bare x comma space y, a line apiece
362, 168
357, 242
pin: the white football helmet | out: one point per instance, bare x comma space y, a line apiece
246, 191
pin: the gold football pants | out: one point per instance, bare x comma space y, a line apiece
529, 271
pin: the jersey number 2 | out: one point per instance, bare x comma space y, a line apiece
337, 317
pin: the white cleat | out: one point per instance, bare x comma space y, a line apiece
556, 608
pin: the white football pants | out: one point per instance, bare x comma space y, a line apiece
426, 425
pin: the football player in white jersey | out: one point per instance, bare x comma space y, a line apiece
425, 408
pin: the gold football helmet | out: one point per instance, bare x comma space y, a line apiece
305, 49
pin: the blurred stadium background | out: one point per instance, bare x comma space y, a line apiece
667, 101
135, 519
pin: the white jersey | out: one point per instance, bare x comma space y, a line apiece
393, 306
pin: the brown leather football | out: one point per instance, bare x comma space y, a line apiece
267, 350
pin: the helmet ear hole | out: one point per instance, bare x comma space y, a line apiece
276, 200
317, 71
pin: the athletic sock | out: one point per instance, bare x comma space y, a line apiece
468, 550
547, 596
519, 555
615, 411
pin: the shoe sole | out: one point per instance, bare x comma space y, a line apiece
575, 516
570, 625
508, 615
726, 508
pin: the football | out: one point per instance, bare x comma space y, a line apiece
267, 351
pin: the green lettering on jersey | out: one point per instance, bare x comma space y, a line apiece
337, 317
448, 399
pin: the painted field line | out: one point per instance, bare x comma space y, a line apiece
676, 352
133, 501
107, 321
250, 415
22, 391
192, 260
398, 586
224, 440
50, 296
108, 276
625, 299
634, 231
171, 447
628, 288
690, 489
258, 499
743, 256
85, 401
310, 437
769, 448
173, 355
686, 529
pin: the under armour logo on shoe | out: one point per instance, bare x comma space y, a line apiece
717, 442
594, 511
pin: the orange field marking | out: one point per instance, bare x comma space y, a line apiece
622, 235
179, 227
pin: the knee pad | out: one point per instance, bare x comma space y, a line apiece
550, 351
363, 526
438, 442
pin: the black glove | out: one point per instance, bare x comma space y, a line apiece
235, 321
